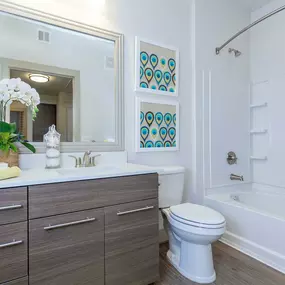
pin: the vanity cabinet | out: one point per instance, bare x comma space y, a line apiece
67, 249
53, 199
21, 281
13, 234
131, 243
13, 205
13, 251
102, 231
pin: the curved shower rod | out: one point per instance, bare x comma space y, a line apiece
218, 49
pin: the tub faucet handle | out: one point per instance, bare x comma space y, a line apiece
236, 177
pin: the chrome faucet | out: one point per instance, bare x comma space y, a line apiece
86, 161
236, 177
86, 158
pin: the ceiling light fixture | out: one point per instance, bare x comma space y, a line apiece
40, 78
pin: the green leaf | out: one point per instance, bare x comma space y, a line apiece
28, 146
4, 137
8, 137
13, 138
5, 127
13, 147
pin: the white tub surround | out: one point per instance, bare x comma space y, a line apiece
255, 223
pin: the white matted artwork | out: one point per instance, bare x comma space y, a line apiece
157, 125
156, 68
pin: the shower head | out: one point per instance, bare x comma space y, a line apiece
235, 51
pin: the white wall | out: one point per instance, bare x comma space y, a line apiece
222, 93
267, 74
164, 21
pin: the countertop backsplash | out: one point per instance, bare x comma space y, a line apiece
30, 161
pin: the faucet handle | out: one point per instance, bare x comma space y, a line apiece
77, 160
92, 159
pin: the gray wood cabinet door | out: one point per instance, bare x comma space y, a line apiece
61, 198
67, 249
131, 243
13, 205
21, 281
13, 251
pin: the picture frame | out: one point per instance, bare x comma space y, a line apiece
156, 68
156, 125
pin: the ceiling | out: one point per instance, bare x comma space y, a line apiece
55, 85
256, 4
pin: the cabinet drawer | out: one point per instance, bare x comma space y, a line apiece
54, 199
13, 251
13, 205
131, 243
21, 281
67, 249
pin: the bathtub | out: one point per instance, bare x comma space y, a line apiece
255, 224
264, 203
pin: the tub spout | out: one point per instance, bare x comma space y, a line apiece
236, 177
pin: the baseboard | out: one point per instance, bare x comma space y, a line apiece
262, 254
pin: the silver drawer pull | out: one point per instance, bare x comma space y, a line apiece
88, 220
12, 207
135, 211
13, 243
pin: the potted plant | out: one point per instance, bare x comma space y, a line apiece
14, 90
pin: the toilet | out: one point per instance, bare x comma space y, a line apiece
191, 228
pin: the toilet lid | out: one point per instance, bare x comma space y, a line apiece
197, 214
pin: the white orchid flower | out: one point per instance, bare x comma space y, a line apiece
14, 83
15, 89
4, 92
3, 88
16, 95
34, 96
24, 87
4, 82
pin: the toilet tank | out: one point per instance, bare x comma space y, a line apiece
171, 180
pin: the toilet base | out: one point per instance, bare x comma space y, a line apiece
174, 260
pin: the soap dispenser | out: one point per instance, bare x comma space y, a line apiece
52, 140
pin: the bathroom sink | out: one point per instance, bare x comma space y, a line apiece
88, 171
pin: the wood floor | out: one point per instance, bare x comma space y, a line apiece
232, 268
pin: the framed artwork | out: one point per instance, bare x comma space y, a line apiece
156, 68
157, 125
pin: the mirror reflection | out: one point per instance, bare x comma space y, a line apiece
73, 73
56, 107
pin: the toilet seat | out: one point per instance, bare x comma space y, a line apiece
197, 216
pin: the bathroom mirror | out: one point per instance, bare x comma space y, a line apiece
77, 71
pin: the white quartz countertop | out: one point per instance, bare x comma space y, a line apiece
44, 176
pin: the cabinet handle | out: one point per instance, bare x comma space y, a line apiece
88, 220
13, 207
13, 243
135, 211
